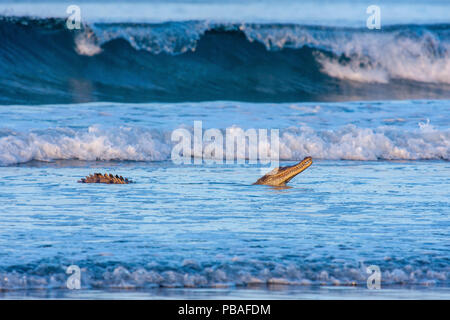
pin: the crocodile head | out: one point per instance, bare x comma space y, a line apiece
282, 175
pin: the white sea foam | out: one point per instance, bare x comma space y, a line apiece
419, 55
92, 144
391, 57
138, 144
226, 275
353, 143
86, 44
154, 38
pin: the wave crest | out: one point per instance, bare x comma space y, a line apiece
131, 62
411, 52
139, 144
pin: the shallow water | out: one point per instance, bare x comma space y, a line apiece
207, 226
376, 194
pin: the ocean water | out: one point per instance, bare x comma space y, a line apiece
371, 107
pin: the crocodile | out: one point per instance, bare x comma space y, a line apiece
105, 178
278, 177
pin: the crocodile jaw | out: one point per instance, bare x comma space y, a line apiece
284, 174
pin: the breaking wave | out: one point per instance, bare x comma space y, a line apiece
43, 62
139, 144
